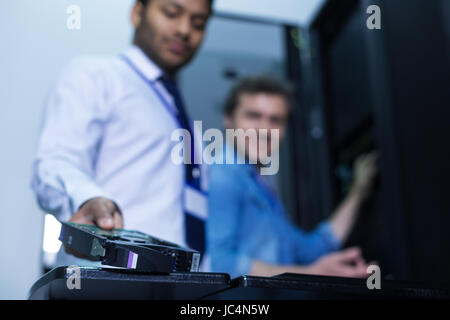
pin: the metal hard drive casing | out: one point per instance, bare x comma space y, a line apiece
128, 249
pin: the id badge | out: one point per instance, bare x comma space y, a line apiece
195, 202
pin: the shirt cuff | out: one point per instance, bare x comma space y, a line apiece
87, 192
325, 231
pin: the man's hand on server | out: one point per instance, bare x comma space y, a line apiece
365, 171
100, 212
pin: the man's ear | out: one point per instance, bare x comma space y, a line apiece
137, 13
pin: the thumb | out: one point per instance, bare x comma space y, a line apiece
104, 216
349, 255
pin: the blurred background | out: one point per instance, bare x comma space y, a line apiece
357, 90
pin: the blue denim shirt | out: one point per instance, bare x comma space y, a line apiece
247, 222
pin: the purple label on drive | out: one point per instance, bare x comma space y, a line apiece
132, 260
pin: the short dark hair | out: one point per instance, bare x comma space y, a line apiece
145, 2
257, 84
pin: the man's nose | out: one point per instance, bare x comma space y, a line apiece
263, 129
184, 27
266, 123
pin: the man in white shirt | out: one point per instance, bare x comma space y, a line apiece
104, 153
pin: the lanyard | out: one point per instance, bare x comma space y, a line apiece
169, 107
194, 201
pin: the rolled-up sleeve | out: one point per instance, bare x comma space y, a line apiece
309, 246
74, 117
225, 200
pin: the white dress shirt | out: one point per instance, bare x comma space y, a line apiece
107, 134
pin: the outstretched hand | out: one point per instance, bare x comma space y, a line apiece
101, 212
365, 171
348, 263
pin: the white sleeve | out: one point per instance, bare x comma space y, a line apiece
74, 119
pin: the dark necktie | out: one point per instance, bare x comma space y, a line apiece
195, 227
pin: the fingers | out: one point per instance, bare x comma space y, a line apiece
359, 270
371, 156
349, 255
367, 164
348, 263
354, 272
351, 264
98, 211
374, 155
370, 161
81, 217
104, 215
118, 221
101, 212
368, 158
365, 171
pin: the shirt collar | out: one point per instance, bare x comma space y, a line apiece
148, 68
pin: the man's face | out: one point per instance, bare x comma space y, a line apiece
170, 31
259, 111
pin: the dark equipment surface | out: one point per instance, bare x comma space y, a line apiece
384, 90
310, 287
116, 284
120, 284
128, 249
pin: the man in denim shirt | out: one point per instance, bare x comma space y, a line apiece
248, 232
